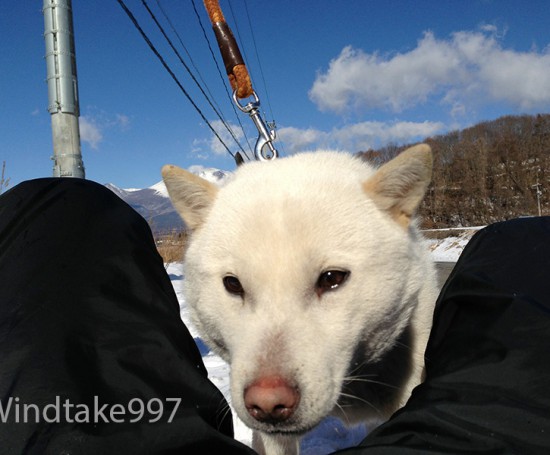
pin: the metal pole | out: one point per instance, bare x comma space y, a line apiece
539, 194
62, 88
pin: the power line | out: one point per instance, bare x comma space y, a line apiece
243, 49
167, 68
187, 52
229, 97
258, 58
144, 2
272, 124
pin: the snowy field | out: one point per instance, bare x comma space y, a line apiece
450, 248
331, 434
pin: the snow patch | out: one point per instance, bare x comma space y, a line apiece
449, 249
160, 188
213, 175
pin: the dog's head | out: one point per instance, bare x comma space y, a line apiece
291, 265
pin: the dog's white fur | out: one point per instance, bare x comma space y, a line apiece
356, 350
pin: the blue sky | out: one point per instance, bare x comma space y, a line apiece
338, 74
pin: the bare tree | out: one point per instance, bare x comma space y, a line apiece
486, 173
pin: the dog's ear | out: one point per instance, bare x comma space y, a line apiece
192, 196
399, 186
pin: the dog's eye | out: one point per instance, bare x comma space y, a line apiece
233, 285
330, 280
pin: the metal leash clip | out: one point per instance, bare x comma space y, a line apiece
264, 150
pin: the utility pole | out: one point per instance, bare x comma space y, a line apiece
63, 102
539, 194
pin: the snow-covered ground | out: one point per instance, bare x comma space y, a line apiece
331, 434
450, 248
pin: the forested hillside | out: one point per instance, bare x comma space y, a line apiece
486, 173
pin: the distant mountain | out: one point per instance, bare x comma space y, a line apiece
154, 205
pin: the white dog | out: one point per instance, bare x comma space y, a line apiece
307, 274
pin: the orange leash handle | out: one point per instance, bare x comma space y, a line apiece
231, 55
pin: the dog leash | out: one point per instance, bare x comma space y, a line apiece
240, 82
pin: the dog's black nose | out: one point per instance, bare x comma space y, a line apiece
271, 399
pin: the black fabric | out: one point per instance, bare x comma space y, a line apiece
86, 311
488, 359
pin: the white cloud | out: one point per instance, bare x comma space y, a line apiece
90, 132
93, 126
468, 67
202, 148
358, 136
216, 146
122, 121
197, 149
296, 139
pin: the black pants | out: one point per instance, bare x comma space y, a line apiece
92, 348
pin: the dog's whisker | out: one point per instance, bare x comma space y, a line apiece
223, 410
357, 367
370, 381
345, 417
227, 412
362, 400
404, 346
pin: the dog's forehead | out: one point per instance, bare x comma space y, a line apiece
314, 178
306, 167
306, 192
303, 210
